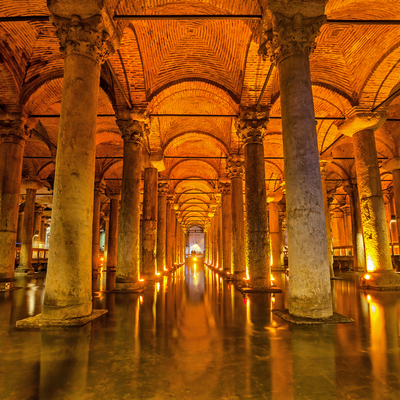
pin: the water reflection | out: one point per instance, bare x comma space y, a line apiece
194, 336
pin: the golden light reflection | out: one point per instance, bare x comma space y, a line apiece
141, 299
158, 286
370, 264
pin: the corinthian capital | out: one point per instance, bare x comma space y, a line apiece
12, 128
131, 130
85, 36
289, 36
163, 188
251, 125
235, 167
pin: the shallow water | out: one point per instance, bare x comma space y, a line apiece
193, 336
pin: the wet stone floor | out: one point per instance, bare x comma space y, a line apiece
193, 336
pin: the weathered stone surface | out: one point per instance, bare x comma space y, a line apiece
333, 319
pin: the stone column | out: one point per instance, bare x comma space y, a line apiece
68, 291
235, 173
226, 227
176, 247
98, 191
207, 225
112, 250
170, 228
37, 224
149, 241
20, 225
393, 165
43, 219
288, 45
163, 188
128, 258
251, 128
274, 229
25, 262
106, 218
356, 228
323, 166
361, 124
12, 143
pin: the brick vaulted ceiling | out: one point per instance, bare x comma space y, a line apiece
201, 67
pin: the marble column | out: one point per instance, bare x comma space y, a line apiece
43, 219
360, 124
25, 262
12, 142
251, 128
226, 228
274, 229
106, 218
163, 188
128, 258
356, 228
323, 166
289, 45
170, 232
149, 241
393, 165
83, 40
98, 191
37, 224
220, 249
20, 225
112, 249
235, 173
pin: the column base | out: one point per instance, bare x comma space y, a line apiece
129, 287
249, 290
380, 280
72, 311
38, 322
334, 319
24, 271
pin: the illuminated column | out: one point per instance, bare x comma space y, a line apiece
177, 242
43, 219
98, 191
112, 248
274, 230
393, 165
163, 188
128, 257
251, 128
106, 219
235, 173
226, 227
83, 40
37, 222
288, 45
323, 166
356, 228
25, 262
360, 125
12, 143
170, 232
20, 225
149, 241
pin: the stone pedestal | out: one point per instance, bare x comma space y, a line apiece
360, 124
149, 240
68, 291
128, 261
12, 143
163, 188
98, 191
112, 249
25, 263
235, 173
293, 39
252, 126
226, 228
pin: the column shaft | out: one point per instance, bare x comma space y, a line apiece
310, 290
396, 192
161, 232
275, 235
96, 232
226, 231
11, 154
149, 241
238, 236
112, 251
327, 222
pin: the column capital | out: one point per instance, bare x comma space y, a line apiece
34, 184
131, 130
274, 197
392, 165
225, 188
360, 119
289, 33
99, 188
163, 188
88, 37
170, 201
39, 210
234, 167
12, 128
113, 196
252, 124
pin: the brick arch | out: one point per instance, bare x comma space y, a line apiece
194, 166
9, 89
204, 186
205, 198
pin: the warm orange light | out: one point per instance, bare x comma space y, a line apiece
370, 264
273, 299
141, 280
102, 258
157, 273
272, 278
165, 269
373, 308
368, 298
229, 287
195, 259
367, 277
141, 299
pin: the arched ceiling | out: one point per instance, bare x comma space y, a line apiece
201, 67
